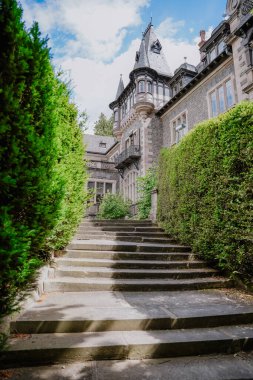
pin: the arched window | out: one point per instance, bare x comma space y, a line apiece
141, 86
116, 116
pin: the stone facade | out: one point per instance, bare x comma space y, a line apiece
157, 108
196, 103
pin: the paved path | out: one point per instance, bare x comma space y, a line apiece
212, 367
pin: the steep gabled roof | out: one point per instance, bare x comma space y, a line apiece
150, 53
98, 144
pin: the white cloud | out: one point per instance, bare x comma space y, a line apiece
92, 33
96, 27
95, 83
168, 27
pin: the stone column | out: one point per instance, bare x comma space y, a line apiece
153, 211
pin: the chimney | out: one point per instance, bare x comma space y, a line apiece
202, 34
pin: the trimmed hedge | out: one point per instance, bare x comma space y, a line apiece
206, 190
42, 174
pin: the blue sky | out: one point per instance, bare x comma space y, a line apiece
95, 41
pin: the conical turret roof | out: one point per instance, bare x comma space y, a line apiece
150, 53
120, 87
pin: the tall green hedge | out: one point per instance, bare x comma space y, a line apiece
42, 174
206, 190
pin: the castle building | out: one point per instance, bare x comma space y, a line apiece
157, 108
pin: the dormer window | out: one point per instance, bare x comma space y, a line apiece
102, 144
156, 47
137, 56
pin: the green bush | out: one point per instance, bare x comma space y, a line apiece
42, 174
145, 185
205, 190
113, 206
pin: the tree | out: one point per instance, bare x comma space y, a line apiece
82, 121
104, 126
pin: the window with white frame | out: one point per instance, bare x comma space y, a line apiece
179, 128
221, 98
98, 189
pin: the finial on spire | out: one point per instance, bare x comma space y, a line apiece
151, 19
185, 59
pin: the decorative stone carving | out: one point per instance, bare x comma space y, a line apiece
232, 6
246, 7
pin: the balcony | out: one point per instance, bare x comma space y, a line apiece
127, 156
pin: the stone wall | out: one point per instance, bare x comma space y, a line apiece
195, 103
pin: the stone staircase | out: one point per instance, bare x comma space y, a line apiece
124, 289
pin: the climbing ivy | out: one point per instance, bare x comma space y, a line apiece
145, 185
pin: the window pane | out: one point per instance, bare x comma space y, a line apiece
149, 87
212, 55
221, 99
221, 47
167, 92
100, 187
141, 86
214, 104
91, 185
108, 187
160, 91
229, 93
184, 119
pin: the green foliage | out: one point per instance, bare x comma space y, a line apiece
104, 126
205, 190
145, 185
41, 152
113, 206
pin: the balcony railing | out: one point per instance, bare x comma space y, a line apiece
127, 156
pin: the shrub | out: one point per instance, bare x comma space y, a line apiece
145, 185
205, 190
42, 174
113, 206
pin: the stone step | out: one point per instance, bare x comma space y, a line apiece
95, 232
81, 272
109, 245
66, 284
117, 228
129, 238
116, 311
121, 222
117, 255
61, 347
128, 264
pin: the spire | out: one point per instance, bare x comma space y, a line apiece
120, 87
150, 53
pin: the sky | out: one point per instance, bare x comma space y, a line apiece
94, 41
